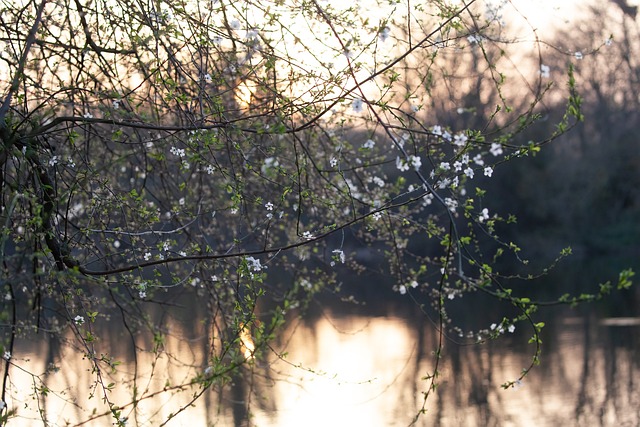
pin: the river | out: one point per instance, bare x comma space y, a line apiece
348, 365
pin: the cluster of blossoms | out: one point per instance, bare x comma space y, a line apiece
447, 174
377, 181
269, 207
452, 204
412, 161
499, 328
254, 266
177, 151
403, 288
484, 215
494, 11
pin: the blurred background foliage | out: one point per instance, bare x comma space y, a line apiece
585, 188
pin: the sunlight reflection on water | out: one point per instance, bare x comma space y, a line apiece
362, 370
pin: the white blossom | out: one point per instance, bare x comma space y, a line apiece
416, 162
401, 164
340, 254
474, 38
357, 105
545, 71
496, 149
460, 139
254, 264
384, 34
251, 34
484, 215
452, 204
469, 172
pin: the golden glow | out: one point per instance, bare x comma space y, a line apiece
339, 371
247, 345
